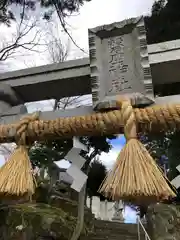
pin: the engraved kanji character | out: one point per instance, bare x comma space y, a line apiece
115, 45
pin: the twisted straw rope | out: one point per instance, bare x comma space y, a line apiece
21, 128
155, 118
129, 120
16, 174
135, 176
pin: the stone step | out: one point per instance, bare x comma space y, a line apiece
117, 237
115, 233
106, 230
113, 236
111, 228
102, 235
115, 227
121, 237
100, 222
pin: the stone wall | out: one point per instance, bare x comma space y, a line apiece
163, 222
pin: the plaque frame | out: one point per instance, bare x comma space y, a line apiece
95, 36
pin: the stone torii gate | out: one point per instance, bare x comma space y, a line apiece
118, 66
52, 81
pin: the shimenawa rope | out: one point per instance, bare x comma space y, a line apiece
16, 176
155, 118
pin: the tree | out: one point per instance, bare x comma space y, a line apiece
43, 154
163, 25
7, 8
63, 9
157, 7
57, 50
97, 173
165, 149
164, 22
26, 37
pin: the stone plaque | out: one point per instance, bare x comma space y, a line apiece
119, 61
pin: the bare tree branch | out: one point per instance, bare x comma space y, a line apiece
63, 24
57, 51
23, 31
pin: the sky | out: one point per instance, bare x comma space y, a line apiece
100, 12
92, 14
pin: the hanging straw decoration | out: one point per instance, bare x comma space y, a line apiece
16, 178
135, 176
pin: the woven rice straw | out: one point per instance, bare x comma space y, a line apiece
16, 176
135, 176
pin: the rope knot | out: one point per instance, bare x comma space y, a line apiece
21, 129
129, 119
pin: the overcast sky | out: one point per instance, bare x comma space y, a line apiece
100, 12
92, 14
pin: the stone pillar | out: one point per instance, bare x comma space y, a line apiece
118, 208
96, 207
101, 211
11, 105
10, 102
105, 210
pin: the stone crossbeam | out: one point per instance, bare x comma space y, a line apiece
84, 110
72, 78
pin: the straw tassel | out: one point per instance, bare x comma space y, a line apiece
135, 176
16, 176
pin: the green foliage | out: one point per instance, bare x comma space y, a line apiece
99, 143
157, 144
163, 25
165, 149
157, 7
173, 153
96, 175
43, 154
47, 6
164, 22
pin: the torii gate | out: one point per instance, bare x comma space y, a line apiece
121, 82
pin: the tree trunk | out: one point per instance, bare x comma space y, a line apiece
91, 203
85, 169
